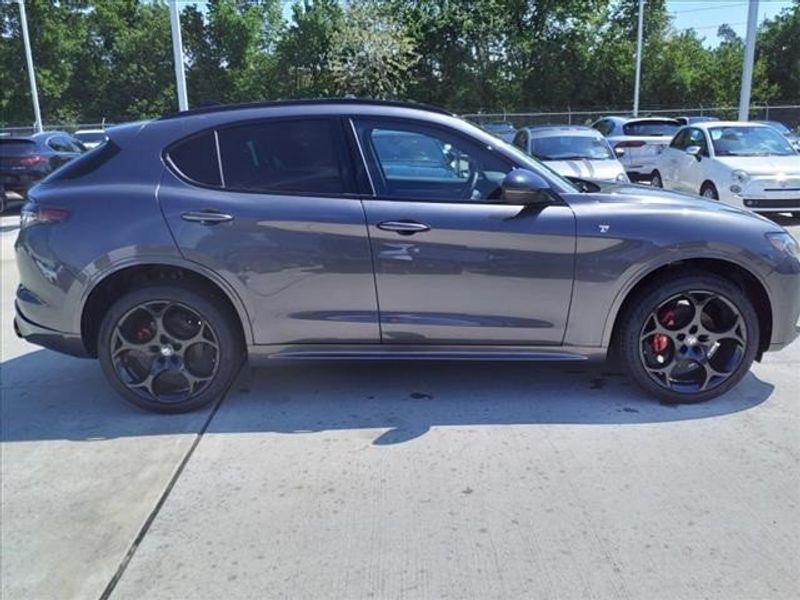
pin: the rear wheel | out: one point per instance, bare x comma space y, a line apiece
655, 180
170, 348
689, 339
708, 190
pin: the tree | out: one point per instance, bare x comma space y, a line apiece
370, 53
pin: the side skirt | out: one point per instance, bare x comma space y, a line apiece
421, 352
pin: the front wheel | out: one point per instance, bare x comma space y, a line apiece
709, 191
170, 348
689, 339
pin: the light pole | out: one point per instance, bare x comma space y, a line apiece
177, 53
749, 57
37, 114
638, 59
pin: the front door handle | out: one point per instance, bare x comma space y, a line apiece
206, 217
403, 227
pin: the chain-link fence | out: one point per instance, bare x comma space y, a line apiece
788, 114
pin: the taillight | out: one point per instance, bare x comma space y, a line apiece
629, 144
34, 160
33, 214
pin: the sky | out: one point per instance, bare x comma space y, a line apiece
705, 16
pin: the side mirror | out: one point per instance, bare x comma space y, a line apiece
694, 151
522, 186
619, 152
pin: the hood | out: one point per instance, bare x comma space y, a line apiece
632, 193
606, 170
762, 165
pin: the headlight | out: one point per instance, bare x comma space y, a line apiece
740, 176
622, 178
784, 243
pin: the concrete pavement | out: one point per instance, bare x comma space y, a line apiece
397, 481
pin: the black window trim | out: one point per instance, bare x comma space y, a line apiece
433, 125
350, 179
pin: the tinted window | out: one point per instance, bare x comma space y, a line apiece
305, 156
60, 144
91, 137
418, 162
697, 138
654, 127
16, 147
681, 140
519, 141
196, 159
605, 126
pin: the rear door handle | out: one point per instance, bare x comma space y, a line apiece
206, 217
403, 227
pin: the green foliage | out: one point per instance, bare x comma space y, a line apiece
113, 58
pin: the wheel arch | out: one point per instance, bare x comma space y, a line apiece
118, 281
749, 282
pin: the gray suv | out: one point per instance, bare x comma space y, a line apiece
379, 230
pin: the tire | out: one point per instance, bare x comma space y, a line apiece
655, 180
170, 348
683, 366
796, 215
708, 190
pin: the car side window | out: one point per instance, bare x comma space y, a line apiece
681, 140
415, 161
698, 138
285, 156
59, 143
196, 159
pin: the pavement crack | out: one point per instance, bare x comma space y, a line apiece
123, 565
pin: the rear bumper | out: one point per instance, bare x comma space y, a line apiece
67, 343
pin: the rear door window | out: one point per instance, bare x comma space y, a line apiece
286, 156
196, 159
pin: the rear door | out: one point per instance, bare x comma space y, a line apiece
453, 264
277, 218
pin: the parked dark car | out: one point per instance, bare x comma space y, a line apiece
26, 160
186, 244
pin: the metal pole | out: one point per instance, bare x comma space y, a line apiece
177, 53
37, 114
639, 32
749, 57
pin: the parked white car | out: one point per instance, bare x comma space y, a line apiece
741, 163
91, 138
572, 151
642, 139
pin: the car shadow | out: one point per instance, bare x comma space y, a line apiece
48, 396
783, 219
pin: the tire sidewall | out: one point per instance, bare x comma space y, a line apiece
662, 290
230, 344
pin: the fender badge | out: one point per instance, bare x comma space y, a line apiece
604, 228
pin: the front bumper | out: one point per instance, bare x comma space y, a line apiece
67, 343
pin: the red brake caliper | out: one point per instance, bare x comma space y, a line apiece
660, 342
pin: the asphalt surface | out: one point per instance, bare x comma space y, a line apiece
396, 481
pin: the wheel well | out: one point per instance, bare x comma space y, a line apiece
117, 284
706, 183
730, 271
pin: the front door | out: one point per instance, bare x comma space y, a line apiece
454, 264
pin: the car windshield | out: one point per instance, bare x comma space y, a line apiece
654, 127
91, 137
779, 126
499, 127
395, 146
741, 140
570, 147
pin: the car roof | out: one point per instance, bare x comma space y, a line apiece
626, 120
707, 124
562, 130
344, 102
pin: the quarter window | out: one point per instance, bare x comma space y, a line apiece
414, 161
196, 159
305, 156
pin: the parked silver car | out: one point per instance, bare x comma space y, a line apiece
573, 151
642, 139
